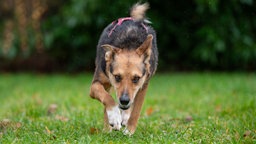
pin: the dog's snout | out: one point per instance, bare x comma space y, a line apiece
124, 99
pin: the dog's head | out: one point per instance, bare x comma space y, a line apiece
128, 70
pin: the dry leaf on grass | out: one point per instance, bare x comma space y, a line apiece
94, 130
237, 136
61, 118
247, 133
149, 111
18, 125
52, 109
189, 119
218, 108
50, 133
6, 123
47, 130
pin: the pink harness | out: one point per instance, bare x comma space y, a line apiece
120, 21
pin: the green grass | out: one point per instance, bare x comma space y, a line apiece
187, 108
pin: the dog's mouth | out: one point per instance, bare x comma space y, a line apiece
124, 107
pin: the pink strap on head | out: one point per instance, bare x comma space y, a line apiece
145, 27
120, 21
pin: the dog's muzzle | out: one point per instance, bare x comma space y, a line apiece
124, 102
124, 107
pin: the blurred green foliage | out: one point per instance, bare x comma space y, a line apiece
206, 34
191, 35
71, 34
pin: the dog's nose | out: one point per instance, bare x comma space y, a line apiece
124, 99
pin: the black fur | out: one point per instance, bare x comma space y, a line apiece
128, 35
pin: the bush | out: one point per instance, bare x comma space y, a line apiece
192, 35
202, 34
72, 35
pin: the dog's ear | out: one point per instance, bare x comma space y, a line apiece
145, 47
110, 51
145, 50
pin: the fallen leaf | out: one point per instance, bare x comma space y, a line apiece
149, 111
6, 123
218, 108
47, 130
175, 119
18, 125
189, 119
94, 130
247, 133
61, 118
52, 109
50, 133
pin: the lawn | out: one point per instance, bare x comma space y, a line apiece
179, 108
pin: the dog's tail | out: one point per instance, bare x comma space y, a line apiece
138, 12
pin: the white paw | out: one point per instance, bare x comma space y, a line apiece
125, 117
127, 132
114, 118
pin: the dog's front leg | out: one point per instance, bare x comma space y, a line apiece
125, 116
112, 112
137, 105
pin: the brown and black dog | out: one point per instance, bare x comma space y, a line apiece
126, 59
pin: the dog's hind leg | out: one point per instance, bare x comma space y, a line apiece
137, 105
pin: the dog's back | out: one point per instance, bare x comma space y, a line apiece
128, 33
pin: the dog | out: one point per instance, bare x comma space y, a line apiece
126, 59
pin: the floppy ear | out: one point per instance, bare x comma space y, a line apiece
110, 51
145, 47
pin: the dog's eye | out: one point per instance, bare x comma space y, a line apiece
135, 79
118, 78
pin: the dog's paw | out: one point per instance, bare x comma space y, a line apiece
125, 117
114, 118
127, 132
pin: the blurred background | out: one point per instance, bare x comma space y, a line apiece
61, 36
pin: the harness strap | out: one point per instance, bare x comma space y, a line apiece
120, 21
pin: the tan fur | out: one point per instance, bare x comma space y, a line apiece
128, 64
145, 48
138, 11
138, 102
